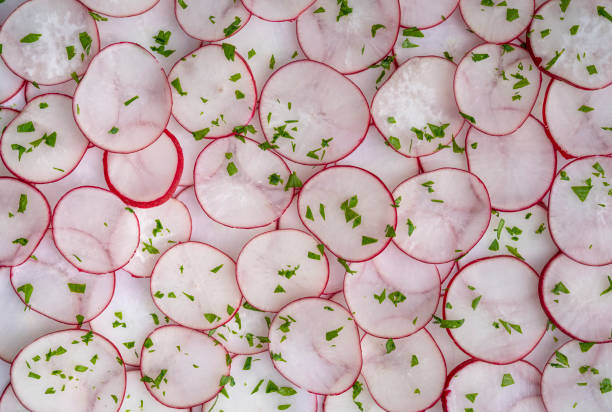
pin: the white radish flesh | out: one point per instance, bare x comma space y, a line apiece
68, 88
11, 83
277, 11
9, 402
211, 20
424, 14
352, 400
496, 23
138, 398
117, 8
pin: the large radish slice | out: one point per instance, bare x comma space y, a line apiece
11, 83
94, 230
496, 87
304, 115
424, 14
492, 310
137, 398
9, 402
123, 103
211, 20
314, 343
413, 122
118, 8
350, 210
352, 400
496, 23
277, 11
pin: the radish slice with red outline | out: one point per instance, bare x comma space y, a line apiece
371, 79
138, 398
118, 8
275, 12
497, 24
424, 14
496, 87
451, 155
68, 88
352, 400
350, 210
413, 122
405, 374
509, 319
94, 230
211, 20
349, 39
168, 371
303, 106
314, 347
123, 102
190, 148
10, 85
9, 402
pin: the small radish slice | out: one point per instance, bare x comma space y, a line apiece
302, 112
426, 120
211, 20
392, 295
404, 374
578, 199
190, 148
137, 398
496, 23
9, 402
371, 79
352, 400
424, 14
274, 11
451, 155
195, 285
43, 143
94, 230
315, 344
10, 85
168, 370
496, 87
68, 88
508, 318
123, 103
576, 50
350, 210
118, 8
349, 40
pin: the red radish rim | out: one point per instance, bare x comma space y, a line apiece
8, 385
23, 84
278, 21
126, 15
2, 108
211, 41
436, 24
443, 278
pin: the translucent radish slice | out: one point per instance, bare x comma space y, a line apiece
451, 155
350, 210
117, 8
138, 398
423, 14
190, 148
578, 199
240, 185
211, 20
43, 143
66, 88
275, 11
352, 400
576, 50
24, 218
371, 79
303, 112
94, 230
37, 35
9, 402
168, 370
11, 83
123, 103
314, 347
453, 356
496, 87
551, 341
404, 374
497, 24
423, 88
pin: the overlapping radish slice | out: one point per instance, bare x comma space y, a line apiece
453, 356
123, 102
5, 377
67, 88
352, 400
6, 116
570, 41
117, 8
497, 23
190, 148
496, 87
211, 20
451, 155
551, 341
138, 398
304, 116
276, 12
371, 79
10, 84
94, 230
168, 370
423, 14
9, 402
7, 7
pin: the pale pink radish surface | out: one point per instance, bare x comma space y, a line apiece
275, 10
423, 13
7, 7
453, 355
352, 400
68, 88
9, 402
11, 83
372, 79
211, 20
118, 8
496, 23
190, 148
451, 155
17, 101
445, 269
138, 398
6, 116
4, 373
552, 340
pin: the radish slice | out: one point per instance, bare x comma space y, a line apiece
349, 39
168, 370
496, 87
137, 398
453, 356
392, 295
37, 49
275, 11
117, 8
509, 319
371, 79
426, 121
10, 85
451, 155
68, 88
578, 198
9, 402
194, 284
5, 371
350, 210
445, 269
424, 14
24, 217
404, 374
7, 7
211, 20
352, 400
576, 50
123, 103
17, 101
302, 112
552, 339
190, 148
43, 143
94, 230
6, 116
496, 23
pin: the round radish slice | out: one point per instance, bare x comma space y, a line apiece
404, 374
371, 79
123, 103
453, 201
43, 143
195, 285
275, 11
350, 39
492, 309
304, 116
496, 23
68, 88
452, 155
577, 48
117, 8
168, 370
9, 402
137, 398
496, 87
578, 199
10, 85
211, 20
425, 121
350, 210
352, 400
424, 14
94, 230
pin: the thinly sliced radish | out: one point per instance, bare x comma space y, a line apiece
9, 402
117, 8
496, 87
551, 341
424, 14
451, 155
275, 11
404, 374
350, 210
352, 400
304, 116
6, 116
453, 356
67, 88
445, 269
190, 148
11, 83
371, 79
123, 103
570, 41
211, 20
496, 23
137, 398
315, 344
168, 370
415, 109
43, 143
538, 108
578, 199
94, 230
